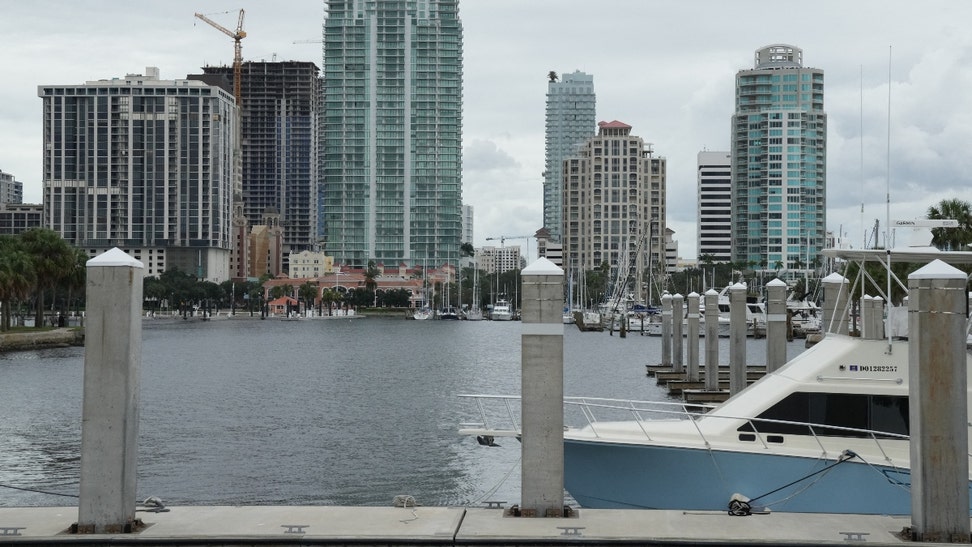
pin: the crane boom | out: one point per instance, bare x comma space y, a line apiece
503, 239
237, 51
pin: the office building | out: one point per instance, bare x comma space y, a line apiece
614, 207
779, 163
280, 116
499, 259
142, 164
570, 123
17, 218
393, 131
11, 190
714, 182
467, 224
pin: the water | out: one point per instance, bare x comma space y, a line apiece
315, 412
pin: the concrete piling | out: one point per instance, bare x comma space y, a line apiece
542, 385
678, 309
835, 296
666, 330
711, 340
109, 414
692, 338
775, 324
939, 405
737, 338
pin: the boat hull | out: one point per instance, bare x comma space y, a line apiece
603, 475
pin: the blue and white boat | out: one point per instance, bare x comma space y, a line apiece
826, 433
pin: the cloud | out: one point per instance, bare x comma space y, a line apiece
483, 155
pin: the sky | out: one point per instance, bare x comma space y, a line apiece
898, 86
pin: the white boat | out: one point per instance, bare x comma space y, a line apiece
422, 314
475, 313
826, 433
502, 311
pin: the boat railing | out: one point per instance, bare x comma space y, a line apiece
503, 420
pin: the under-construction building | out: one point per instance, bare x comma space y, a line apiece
280, 114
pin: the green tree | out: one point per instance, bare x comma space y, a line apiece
952, 239
53, 260
307, 293
16, 276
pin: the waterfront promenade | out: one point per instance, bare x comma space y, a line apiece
393, 526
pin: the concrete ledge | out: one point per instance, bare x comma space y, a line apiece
393, 526
16, 341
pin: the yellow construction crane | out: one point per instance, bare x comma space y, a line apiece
237, 51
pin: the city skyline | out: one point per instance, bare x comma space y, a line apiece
676, 88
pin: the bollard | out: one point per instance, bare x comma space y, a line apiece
542, 385
834, 304
666, 330
737, 338
775, 325
109, 413
692, 338
938, 410
711, 340
678, 309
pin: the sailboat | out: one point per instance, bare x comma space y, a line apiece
425, 312
475, 313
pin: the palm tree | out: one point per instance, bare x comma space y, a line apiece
16, 276
53, 259
952, 239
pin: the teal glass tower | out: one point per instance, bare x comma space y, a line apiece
392, 148
779, 163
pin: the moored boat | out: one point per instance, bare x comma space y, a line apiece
502, 311
826, 433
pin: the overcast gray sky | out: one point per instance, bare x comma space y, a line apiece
666, 68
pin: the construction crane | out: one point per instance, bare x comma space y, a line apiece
502, 239
237, 51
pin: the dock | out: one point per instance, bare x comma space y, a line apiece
679, 385
451, 526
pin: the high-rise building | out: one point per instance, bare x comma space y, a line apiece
11, 190
570, 122
467, 224
779, 162
280, 116
142, 164
392, 151
715, 206
614, 206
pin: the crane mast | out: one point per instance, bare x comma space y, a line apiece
237, 51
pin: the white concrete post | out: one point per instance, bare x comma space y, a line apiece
666, 330
692, 338
711, 340
775, 324
878, 310
937, 390
542, 385
737, 338
678, 309
867, 317
834, 304
109, 413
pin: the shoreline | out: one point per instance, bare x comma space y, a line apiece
60, 337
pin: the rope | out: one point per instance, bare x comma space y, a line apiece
37, 491
739, 507
493, 490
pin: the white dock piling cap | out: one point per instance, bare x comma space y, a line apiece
776, 282
542, 266
937, 269
114, 257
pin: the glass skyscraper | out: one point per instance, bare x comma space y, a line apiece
779, 162
392, 163
570, 123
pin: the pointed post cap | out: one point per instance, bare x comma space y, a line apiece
542, 266
114, 257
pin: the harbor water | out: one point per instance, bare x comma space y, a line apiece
311, 412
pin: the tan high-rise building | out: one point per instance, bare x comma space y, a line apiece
614, 207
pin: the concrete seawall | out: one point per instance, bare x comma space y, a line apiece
17, 341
